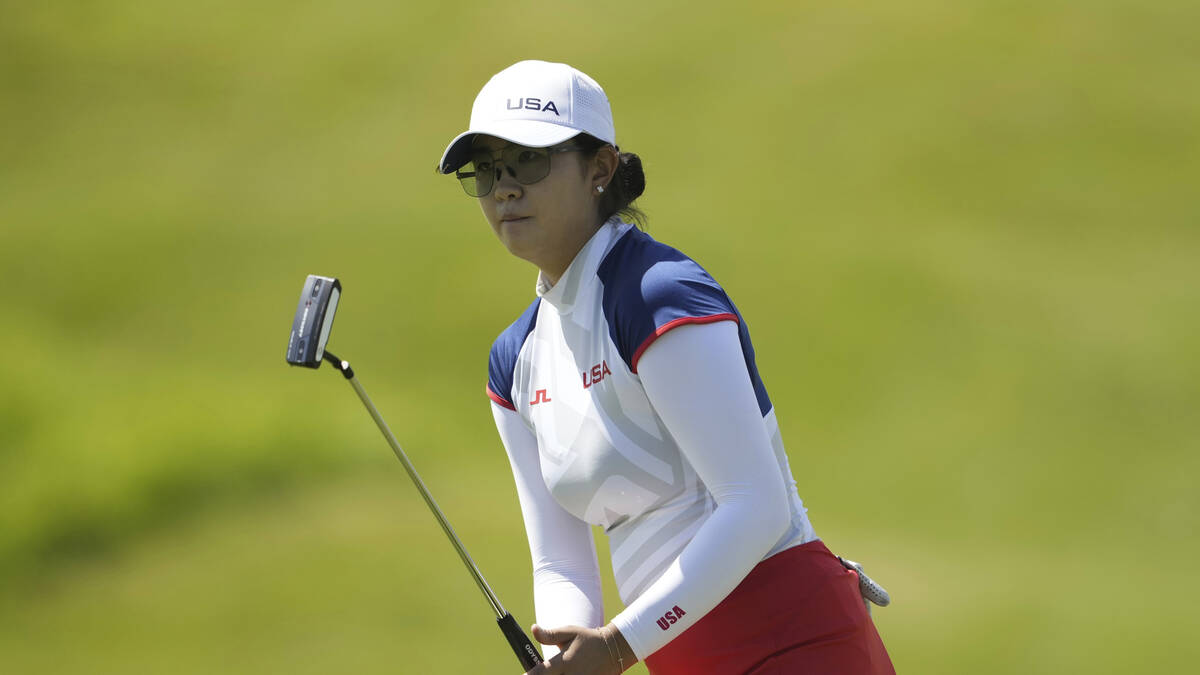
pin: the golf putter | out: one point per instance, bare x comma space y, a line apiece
306, 347
867, 586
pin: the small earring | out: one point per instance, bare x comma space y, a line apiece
600, 189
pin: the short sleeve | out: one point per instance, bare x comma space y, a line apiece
502, 361
650, 289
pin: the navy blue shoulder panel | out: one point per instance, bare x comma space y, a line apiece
650, 288
503, 358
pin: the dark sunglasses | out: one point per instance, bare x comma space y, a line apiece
527, 165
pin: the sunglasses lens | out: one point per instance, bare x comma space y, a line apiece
529, 165
477, 175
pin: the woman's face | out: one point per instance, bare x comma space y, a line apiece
546, 222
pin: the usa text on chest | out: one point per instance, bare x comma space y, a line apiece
596, 374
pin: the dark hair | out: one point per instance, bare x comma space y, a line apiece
628, 183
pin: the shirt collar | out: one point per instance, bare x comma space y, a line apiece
578, 275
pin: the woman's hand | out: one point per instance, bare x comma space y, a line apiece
584, 651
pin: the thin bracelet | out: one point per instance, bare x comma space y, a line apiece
607, 643
614, 652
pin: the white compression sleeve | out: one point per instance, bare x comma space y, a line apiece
695, 377
566, 576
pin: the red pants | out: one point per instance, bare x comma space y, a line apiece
797, 612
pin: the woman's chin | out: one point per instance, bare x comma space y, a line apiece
519, 244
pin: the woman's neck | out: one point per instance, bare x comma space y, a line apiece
552, 271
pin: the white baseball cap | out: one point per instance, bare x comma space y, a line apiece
536, 104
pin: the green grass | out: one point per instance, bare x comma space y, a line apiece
963, 234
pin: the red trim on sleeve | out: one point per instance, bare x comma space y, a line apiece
500, 400
662, 330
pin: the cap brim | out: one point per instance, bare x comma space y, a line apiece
532, 133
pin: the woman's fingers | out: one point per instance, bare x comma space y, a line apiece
562, 637
584, 651
551, 666
556, 636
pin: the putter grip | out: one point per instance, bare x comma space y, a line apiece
526, 653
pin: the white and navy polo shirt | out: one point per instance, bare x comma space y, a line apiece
569, 368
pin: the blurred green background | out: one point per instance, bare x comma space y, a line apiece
964, 234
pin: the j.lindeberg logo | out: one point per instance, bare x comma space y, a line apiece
531, 103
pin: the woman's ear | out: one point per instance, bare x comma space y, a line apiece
604, 166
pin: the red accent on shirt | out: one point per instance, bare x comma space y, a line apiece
662, 330
500, 400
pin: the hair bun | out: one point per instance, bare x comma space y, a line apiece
633, 177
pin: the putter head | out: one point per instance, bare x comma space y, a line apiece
314, 320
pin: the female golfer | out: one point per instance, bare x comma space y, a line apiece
627, 397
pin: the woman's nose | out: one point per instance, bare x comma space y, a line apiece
507, 186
